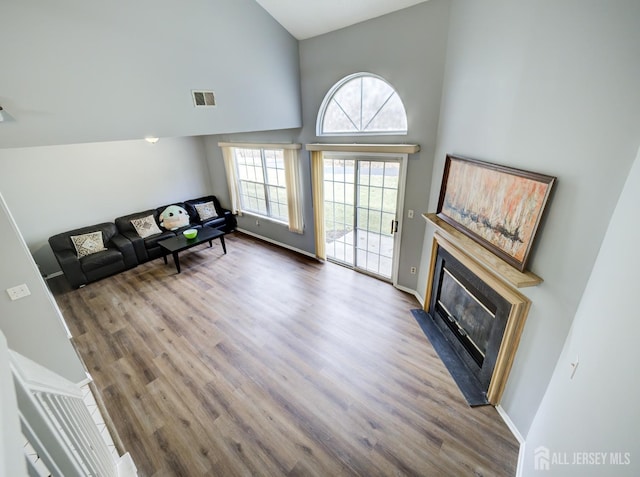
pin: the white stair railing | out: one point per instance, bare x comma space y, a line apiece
12, 461
58, 425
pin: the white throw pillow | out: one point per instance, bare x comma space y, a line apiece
86, 244
146, 226
206, 211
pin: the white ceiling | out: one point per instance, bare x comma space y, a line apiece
309, 18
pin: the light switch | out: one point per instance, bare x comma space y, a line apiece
574, 368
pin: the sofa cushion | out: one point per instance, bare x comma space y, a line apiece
99, 260
146, 226
153, 240
223, 220
206, 211
87, 244
173, 217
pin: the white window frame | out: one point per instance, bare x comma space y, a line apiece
291, 186
265, 185
332, 92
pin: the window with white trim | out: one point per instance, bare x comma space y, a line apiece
361, 104
264, 179
261, 180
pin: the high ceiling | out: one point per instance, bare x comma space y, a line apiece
309, 18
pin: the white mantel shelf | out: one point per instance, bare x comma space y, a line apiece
496, 265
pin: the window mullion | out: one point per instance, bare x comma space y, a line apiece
265, 182
354, 94
360, 128
249, 183
378, 111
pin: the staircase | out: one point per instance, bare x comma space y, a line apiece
55, 421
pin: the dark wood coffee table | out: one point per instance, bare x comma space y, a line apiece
177, 244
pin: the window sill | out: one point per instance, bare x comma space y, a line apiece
266, 218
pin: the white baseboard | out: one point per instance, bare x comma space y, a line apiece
520, 467
88, 379
304, 252
516, 433
503, 414
411, 292
275, 242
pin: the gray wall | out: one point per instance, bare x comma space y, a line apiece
76, 71
266, 228
85, 83
541, 85
33, 324
550, 87
603, 381
407, 48
51, 189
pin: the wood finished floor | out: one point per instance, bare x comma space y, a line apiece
264, 362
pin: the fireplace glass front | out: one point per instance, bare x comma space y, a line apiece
470, 314
467, 316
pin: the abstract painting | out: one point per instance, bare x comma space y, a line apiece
497, 206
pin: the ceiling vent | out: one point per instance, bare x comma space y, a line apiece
203, 99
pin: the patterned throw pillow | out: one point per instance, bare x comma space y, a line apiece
145, 226
206, 211
86, 244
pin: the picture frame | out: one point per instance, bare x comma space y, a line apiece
499, 207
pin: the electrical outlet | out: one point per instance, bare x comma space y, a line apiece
413, 270
19, 291
410, 213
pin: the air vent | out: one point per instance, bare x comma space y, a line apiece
203, 99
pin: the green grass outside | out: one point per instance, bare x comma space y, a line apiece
339, 205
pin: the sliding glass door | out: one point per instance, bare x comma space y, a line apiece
361, 199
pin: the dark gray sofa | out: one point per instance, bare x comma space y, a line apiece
224, 221
125, 247
145, 248
148, 249
118, 256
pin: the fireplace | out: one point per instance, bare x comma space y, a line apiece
472, 316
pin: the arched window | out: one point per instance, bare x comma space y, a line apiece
361, 104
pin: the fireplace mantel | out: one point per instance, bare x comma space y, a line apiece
495, 273
502, 269
517, 314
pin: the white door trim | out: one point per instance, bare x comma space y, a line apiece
401, 158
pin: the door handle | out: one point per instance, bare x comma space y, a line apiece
394, 226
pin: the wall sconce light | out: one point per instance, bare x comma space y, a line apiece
151, 139
4, 116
